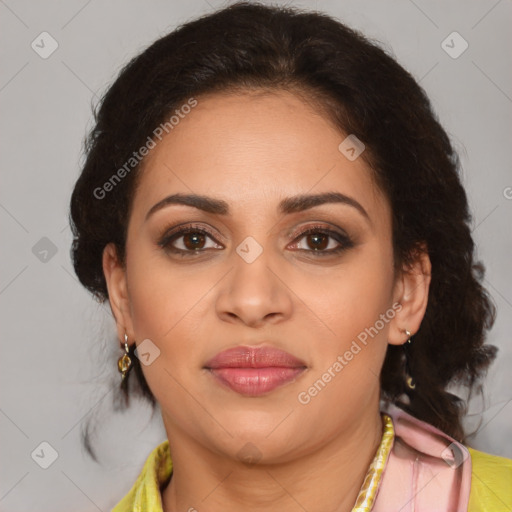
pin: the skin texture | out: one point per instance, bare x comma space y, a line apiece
252, 150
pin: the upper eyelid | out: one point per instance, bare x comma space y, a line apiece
296, 232
320, 224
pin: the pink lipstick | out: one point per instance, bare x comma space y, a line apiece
254, 371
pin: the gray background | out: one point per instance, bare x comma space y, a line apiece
58, 355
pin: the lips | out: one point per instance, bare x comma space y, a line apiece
254, 357
254, 371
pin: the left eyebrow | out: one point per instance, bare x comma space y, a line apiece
304, 202
289, 205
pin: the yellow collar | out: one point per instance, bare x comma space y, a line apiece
366, 496
145, 493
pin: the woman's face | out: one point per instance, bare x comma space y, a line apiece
246, 274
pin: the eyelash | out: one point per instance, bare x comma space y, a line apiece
344, 240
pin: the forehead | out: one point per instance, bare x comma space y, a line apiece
253, 150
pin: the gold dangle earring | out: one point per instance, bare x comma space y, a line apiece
409, 380
124, 363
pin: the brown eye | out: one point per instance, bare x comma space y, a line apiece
193, 241
188, 241
321, 241
317, 241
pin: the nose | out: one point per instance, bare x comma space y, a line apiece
254, 293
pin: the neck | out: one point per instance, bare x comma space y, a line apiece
328, 477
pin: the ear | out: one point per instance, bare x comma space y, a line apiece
411, 291
115, 276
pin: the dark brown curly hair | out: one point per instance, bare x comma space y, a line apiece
249, 46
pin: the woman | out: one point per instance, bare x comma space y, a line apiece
276, 218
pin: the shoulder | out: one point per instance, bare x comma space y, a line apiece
491, 482
145, 492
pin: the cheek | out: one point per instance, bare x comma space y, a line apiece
354, 295
355, 306
167, 305
171, 305
162, 295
